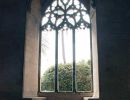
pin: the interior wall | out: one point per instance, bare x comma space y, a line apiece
113, 21
12, 29
31, 51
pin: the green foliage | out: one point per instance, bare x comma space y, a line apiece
83, 77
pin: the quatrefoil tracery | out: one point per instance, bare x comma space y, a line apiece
64, 14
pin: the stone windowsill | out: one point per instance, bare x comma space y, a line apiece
90, 98
44, 98
37, 98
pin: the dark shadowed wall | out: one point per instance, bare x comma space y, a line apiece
113, 22
12, 29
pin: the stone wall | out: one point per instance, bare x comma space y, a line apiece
12, 29
113, 22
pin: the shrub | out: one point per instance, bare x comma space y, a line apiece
83, 77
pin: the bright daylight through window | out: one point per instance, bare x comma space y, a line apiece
65, 54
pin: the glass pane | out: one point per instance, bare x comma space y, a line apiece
65, 60
83, 60
61, 15
48, 61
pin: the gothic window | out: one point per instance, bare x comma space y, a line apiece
65, 54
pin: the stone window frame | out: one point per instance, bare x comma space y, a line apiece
31, 55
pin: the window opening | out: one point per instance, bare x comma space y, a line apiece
65, 54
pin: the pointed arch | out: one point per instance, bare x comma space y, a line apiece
60, 17
31, 77
70, 14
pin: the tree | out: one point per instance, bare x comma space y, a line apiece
83, 77
63, 47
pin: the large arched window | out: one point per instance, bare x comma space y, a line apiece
66, 67
65, 54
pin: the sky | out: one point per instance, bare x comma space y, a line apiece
48, 53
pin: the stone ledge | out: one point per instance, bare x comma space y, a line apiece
36, 98
89, 98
